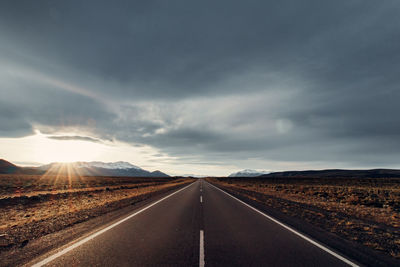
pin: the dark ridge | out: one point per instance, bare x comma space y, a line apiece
56, 168
7, 167
335, 173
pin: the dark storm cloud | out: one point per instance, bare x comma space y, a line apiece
309, 79
12, 123
174, 49
49, 109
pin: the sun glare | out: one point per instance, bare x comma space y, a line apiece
48, 150
39, 149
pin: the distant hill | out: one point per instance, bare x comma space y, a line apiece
329, 173
95, 168
248, 173
7, 167
335, 173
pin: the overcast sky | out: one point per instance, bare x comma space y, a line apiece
206, 87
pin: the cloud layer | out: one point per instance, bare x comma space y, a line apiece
224, 82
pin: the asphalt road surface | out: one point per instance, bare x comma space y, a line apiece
199, 225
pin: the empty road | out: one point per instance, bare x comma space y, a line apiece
199, 225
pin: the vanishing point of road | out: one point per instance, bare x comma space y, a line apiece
198, 225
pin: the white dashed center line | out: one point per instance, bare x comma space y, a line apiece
201, 258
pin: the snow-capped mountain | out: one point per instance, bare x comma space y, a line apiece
98, 168
248, 173
107, 165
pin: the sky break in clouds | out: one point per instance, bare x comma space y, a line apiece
208, 87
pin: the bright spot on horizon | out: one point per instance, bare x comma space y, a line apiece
40, 149
48, 150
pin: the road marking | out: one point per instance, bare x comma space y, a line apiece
83, 241
315, 243
201, 199
201, 257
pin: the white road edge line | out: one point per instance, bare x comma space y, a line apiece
315, 243
83, 241
201, 257
201, 199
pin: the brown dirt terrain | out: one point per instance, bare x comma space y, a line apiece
362, 210
33, 206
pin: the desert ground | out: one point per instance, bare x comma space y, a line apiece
363, 211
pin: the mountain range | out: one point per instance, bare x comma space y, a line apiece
248, 173
335, 173
94, 168
121, 168
329, 173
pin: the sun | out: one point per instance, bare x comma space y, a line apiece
48, 150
